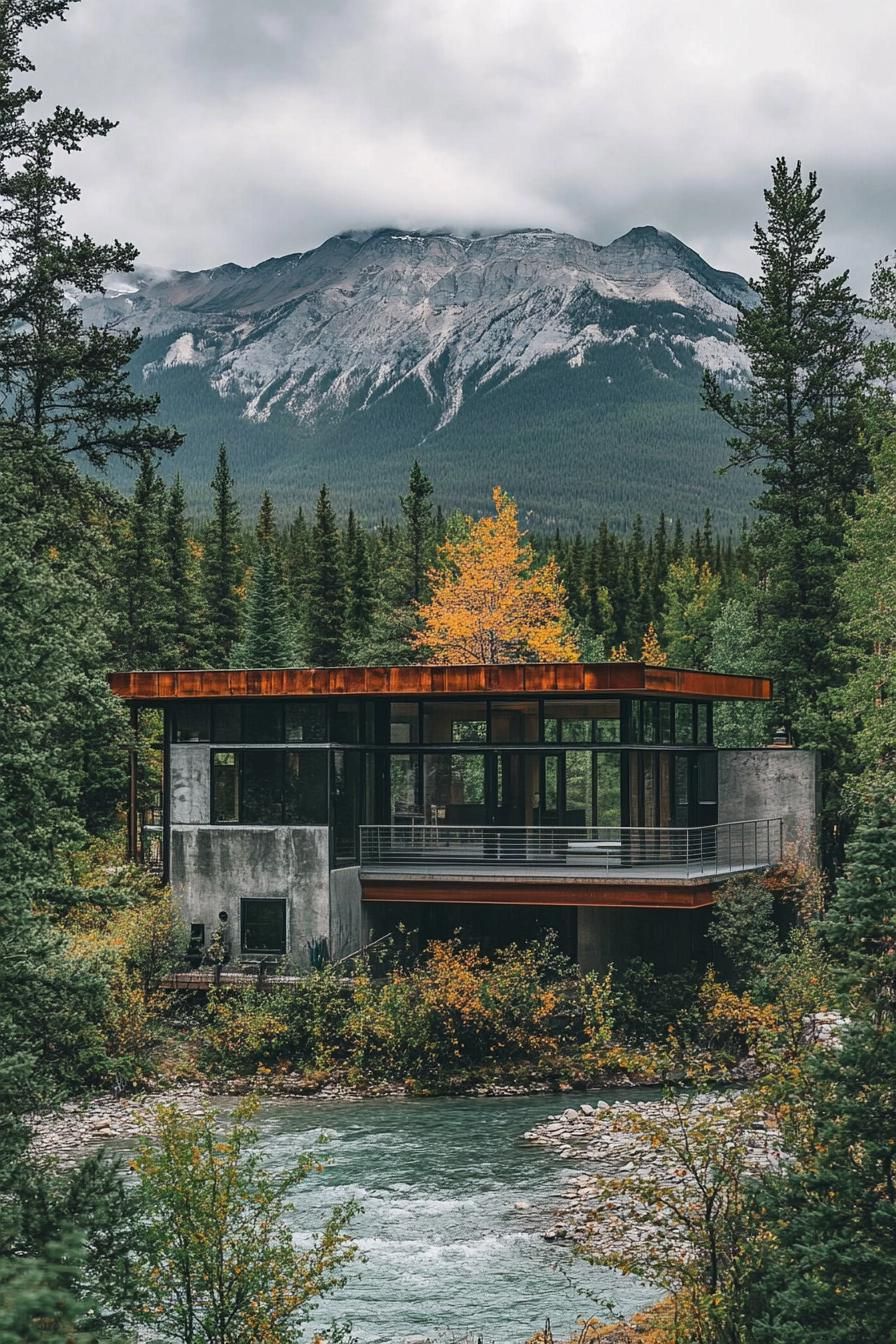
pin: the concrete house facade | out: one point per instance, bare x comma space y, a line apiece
323, 806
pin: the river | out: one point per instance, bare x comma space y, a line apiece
447, 1253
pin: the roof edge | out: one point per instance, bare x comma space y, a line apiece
436, 679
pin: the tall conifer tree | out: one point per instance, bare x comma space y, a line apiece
145, 617
799, 427
359, 596
222, 568
65, 386
269, 638
418, 540
181, 582
326, 588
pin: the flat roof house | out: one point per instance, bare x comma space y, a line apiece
306, 804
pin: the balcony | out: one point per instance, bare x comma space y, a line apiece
613, 857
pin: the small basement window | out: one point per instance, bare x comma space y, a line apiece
263, 925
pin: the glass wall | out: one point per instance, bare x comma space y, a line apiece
454, 789
270, 788
460, 721
582, 720
597, 721
514, 721
502, 762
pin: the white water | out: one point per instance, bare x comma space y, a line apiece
447, 1254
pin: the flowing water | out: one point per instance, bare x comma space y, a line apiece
447, 1253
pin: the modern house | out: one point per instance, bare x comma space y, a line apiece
310, 804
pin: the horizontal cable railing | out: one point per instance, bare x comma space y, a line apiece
732, 846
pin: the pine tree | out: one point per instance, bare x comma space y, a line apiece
65, 387
326, 589
269, 638
418, 540
266, 527
358, 587
867, 589
860, 927
146, 619
181, 582
829, 1217
298, 566
222, 568
799, 427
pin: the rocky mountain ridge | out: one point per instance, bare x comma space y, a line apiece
442, 328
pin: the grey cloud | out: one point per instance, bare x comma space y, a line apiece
250, 129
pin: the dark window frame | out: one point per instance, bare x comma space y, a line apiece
240, 753
247, 903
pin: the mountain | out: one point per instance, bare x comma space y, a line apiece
567, 371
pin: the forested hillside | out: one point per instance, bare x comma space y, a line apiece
623, 434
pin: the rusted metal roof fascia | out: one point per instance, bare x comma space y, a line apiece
561, 679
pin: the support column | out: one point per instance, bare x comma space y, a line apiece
134, 854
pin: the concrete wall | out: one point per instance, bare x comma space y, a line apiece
776, 782
348, 918
190, 783
213, 867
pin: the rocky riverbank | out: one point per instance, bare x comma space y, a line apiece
613, 1150
82, 1125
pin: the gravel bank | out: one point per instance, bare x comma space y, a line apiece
599, 1142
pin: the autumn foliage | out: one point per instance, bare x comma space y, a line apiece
491, 602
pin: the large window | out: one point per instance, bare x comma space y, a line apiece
262, 721
581, 721
270, 788
191, 723
227, 722
404, 775
579, 790
404, 722
263, 925
454, 788
609, 788
347, 777
305, 788
684, 723
346, 717
225, 787
305, 721
515, 721
454, 721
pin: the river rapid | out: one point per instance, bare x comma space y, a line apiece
449, 1254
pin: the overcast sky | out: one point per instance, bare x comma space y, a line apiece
251, 128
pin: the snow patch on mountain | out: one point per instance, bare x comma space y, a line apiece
721, 356
338, 328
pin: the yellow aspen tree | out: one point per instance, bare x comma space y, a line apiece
490, 602
619, 654
652, 651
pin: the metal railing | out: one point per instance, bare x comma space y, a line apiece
729, 847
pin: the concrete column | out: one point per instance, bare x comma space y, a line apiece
773, 782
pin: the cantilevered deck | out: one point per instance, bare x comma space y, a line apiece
563, 865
